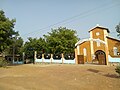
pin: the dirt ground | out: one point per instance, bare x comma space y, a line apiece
59, 77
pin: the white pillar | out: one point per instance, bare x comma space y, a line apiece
78, 50
106, 45
51, 58
62, 58
23, 57
42, 58
35, 53
91, 45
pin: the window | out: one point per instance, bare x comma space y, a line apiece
97, 33
115, 50
85, 51
98, 43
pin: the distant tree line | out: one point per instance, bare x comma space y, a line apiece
61, 40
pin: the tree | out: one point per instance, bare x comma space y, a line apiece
118, 29
17, 43
61, 40
34, 44
6, 31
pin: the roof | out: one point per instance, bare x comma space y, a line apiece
113, 38
101, 27
89, 39
81, 41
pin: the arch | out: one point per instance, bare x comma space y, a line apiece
115, 51
101, 57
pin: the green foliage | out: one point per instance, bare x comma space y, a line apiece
117, 69
61, 40
34, 45
3, 63
6, 31
16, 45
118, 29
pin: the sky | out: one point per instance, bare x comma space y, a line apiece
34, 18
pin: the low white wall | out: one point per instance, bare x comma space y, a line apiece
111, 59
55, 60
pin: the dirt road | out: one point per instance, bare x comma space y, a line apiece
59, 77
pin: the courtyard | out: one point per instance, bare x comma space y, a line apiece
59, 77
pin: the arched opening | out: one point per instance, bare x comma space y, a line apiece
101, 57
115, 51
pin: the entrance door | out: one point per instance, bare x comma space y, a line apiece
100, 55
80, 59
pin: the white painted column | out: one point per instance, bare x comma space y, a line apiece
91, 45
106, 45
78, 50
105, 39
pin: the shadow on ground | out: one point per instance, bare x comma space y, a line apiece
93, 70
112, 75
107, 75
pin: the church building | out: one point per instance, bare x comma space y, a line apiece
99, 47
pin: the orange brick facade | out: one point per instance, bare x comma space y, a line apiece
111, 44
98, 46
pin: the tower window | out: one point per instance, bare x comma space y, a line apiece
115, 51
97, 33
85, 51
98, 42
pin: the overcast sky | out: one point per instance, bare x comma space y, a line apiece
34, 18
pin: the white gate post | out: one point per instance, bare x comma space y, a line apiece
23, 57
62, 58
51, 58
43, 58
35, 53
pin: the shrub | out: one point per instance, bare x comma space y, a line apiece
3, 63
117, 69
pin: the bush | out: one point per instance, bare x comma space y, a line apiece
117, 69
3, 63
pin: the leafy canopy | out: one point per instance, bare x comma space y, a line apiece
6, 31
34, 44
118, 29
17, 43
61, 40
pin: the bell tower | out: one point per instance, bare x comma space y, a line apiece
99, 32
